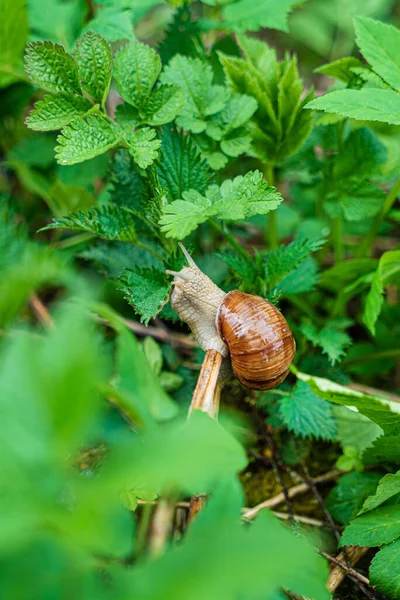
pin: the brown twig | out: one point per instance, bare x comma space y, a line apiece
207, 392
302, 488
348, 570
161, 526
337, 574
41, 311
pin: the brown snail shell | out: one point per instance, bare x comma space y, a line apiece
259, 339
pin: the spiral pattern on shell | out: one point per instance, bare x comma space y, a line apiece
259, 339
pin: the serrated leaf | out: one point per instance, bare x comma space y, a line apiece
163, 104
388, 487
377, 527
13, 36
385, 449
114, 23
108, 223
331, 338
142, 146
146, 290
136, 69
85, 139
94, 61
365, 105
51, 68
195, 77
354, 429
379, 43
341, 69
239, 198
361, 155
358, 200
346, 498
388, 269
307, 415
236, 143
286, 259
180, 167
246, 15
181, 36
385, 570
238, 110
56, 110
303, 279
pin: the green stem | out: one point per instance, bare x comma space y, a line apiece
337, 239
366, 245
357, 360
149, 249
271, 233
75, 240
230, 238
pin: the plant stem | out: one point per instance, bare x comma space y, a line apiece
337, 239
366, 245
143, 529
229, 238
271, 234
357, 360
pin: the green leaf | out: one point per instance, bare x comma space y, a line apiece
181, 36
388, 487
153, 354
341, 69
66, 198
380, 45
113, 24
108, 223
331, 338
307, 415
376, 409
357, 200
163, 104
388, 269
136, 69
385, 570
365, 105
13, 36
385, 449
140, 391
55, 111
238, 110
146, 290
142, 146
354, 429
346, 498
377, 527
94, 61
85, 139
303, 279
202, 98
286, 259
235, 199
362, 155
180, 167
246, 15
51, 68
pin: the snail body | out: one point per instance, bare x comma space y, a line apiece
244, 327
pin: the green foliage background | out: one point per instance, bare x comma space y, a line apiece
266, 135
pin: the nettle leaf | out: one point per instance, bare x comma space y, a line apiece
147, 290
346, 498
307, 415
85, 139
303, 279
237, 111
235, 199
136, 69
94, 61
366, 105
163, 104
377, 527
180, 166
246, 15
108, 223
51, 68
388, 487
380, 45
331, 338
286, 259
142, 146
202, 98
388, 269
385, 449
358, 200
181, 36
342, 69
385, 570
376, 409
361, 155
55, 111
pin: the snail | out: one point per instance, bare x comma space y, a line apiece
245, 328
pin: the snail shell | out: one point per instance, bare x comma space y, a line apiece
259, 339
